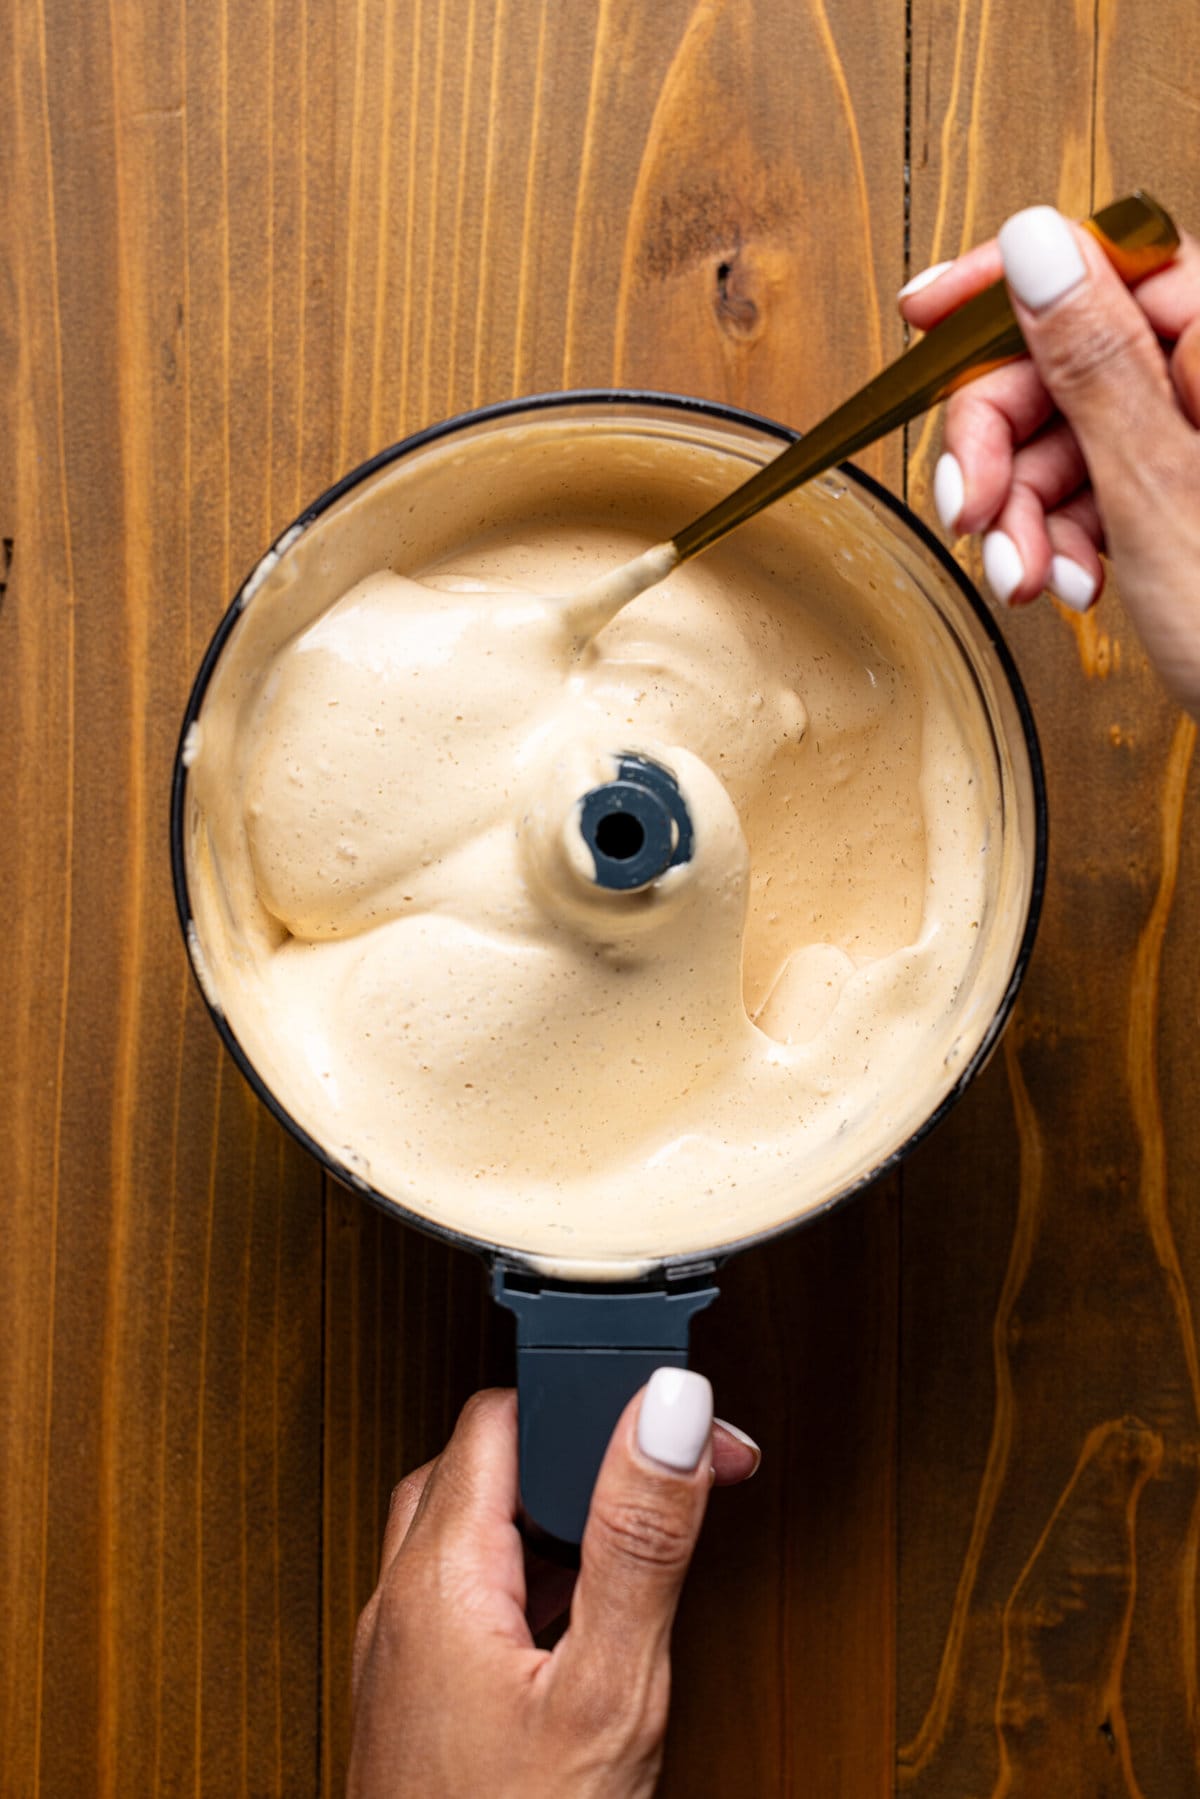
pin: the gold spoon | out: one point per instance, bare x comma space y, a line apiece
1137, 236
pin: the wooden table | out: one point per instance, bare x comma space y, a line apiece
241, 248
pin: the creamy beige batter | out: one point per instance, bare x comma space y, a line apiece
394, 904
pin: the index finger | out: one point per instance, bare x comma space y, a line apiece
473, 1484
1170, 299
968, 275
464, 1524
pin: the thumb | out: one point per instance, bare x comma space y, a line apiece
1098, 358
645, 1517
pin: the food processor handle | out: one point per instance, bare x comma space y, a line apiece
582, 1354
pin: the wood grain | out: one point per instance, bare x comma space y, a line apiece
240, 249
1049, 1402
162, 1275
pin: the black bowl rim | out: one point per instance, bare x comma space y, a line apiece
685, 1263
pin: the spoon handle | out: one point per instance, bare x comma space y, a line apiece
1136, 234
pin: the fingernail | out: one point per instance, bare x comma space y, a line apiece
676, 1418
1071, 583
948, 490
925, 279
743, 1437
1041, 258
1002, 565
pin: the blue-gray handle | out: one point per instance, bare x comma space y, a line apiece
582, 1354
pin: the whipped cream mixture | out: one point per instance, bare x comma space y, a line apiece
396, 910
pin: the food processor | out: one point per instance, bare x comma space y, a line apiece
624, 835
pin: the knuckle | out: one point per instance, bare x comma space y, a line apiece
639, 1530
482, 1405
1092, 344
1022, 493
405, 1492
365, 1628
477, 1406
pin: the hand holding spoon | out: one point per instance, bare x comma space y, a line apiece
1138, 237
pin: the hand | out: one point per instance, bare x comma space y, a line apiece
1090, 444
452, 1697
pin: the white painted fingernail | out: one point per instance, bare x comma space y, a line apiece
948, 489
1002, 565
743, 1437
1041, 258
1071, 583
925, 279
676, 1418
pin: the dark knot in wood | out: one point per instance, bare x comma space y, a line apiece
736, 310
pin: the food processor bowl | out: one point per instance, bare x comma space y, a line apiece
596, 1315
